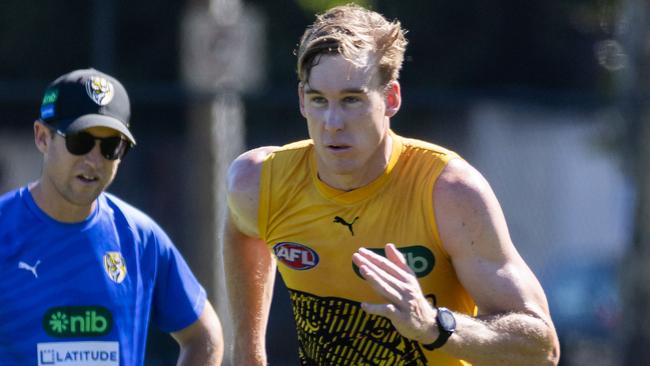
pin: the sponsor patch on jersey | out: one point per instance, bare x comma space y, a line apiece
296, 256
78, 354
77, 321
115, 266
419, 258
100, 90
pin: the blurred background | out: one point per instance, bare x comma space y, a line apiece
548, 99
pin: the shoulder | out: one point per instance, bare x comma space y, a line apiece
124, 208
243, 180
425, 146
244, 172
425, 157
11, 208
8, 199
467, 211
459, 181
125, 214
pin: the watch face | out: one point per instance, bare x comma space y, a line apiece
446, 319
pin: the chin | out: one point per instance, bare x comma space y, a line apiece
84, 199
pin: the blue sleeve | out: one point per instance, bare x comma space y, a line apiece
178, 298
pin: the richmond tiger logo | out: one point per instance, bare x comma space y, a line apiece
115, 266
100, 90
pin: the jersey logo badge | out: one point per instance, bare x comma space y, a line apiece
296, 256
340, 220
27, 267
100, 90
420, 258
77, 321
115, 266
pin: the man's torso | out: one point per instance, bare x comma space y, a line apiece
313, 230
71, 294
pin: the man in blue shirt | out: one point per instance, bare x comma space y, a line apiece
83, 273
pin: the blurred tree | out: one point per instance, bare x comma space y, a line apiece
37, 42
318, 6
472, 44
636, 284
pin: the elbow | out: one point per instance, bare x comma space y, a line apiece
544, 354
553, 357
551, 348
217, 348
542, 346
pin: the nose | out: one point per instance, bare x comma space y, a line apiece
333, 118
95, 155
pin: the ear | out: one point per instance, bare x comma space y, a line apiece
301, 98
393, 98
42, 136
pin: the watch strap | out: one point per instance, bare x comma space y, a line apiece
442, 339
443, 334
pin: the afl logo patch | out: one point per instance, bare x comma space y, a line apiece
100, 90
296, 256
115, 266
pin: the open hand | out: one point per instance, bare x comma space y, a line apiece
406, 307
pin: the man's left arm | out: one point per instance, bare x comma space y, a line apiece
513, 326
201, 343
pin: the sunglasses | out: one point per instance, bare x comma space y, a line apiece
81, 143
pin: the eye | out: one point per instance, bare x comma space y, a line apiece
351, 99
318, 100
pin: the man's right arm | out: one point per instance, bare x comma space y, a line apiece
249, 265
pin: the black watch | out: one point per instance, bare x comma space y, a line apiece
446, 326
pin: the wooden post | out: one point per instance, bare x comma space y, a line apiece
221, 58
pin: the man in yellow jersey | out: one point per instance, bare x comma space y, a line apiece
395, 251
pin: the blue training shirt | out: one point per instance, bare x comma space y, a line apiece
84, 293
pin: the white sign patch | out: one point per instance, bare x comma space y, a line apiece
78, 353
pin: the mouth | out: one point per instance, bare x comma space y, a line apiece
86, 178
334, 147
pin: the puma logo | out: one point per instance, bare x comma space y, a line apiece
25, 266
340, 220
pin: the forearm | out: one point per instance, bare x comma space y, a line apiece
249, 343
511, 339
249, 316
250, 274
207, 353
202, 342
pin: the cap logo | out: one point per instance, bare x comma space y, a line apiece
100, 90
47, 105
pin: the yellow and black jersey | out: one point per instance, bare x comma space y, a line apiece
313, 230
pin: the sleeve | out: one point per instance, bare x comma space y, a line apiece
179, 298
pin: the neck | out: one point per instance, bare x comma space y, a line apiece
371, 170
56, 206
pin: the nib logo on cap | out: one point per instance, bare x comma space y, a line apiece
99, 90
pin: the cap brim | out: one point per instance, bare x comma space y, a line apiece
99, 120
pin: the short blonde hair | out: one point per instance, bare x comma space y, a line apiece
357, 34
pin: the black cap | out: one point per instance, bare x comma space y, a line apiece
87, 98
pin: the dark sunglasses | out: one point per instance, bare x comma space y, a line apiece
80, 143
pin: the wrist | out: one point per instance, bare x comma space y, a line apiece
446, 326
432, 333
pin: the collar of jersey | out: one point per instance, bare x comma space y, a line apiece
359, 194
